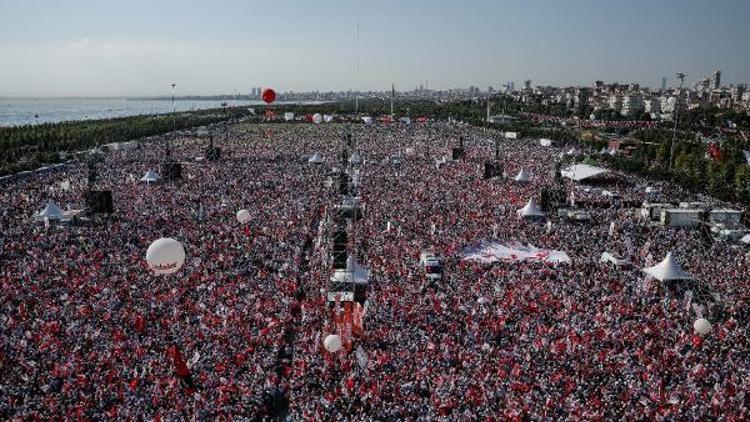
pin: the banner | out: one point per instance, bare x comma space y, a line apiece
512, 252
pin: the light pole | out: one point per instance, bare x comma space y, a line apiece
681, 77
174, 119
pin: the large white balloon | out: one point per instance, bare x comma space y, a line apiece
332, 343
243, 216
702, 326
317, 118
165, 256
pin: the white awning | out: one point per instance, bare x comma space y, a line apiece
580, 172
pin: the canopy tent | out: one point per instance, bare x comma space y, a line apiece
581, 172
352, 274
51, 212
530, 210
523, 176
315, 159
667, 270
150, 177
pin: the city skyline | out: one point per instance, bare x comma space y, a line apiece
88, 48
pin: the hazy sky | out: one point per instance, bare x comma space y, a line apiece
137, 47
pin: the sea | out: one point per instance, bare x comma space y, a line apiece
29, 111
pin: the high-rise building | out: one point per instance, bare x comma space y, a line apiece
527, 85
663, 84
716, 77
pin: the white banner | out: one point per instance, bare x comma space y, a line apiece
514, 251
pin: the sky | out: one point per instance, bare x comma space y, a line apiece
139, 47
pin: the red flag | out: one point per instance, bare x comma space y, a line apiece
714, 152
180, 367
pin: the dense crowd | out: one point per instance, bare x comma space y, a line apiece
88, 332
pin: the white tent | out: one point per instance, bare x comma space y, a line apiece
315, 159
523, 176
352, 274
545, 142
580, 172
51, 212
150, 177
667, 270
530, 210
746, 239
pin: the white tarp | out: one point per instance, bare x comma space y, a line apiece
315, 159
580, 172
511, 135
746, 239
367, 120
288, 116
545, 142
667, 270
512, 251
523, 176
355, 159
530, 210
327, 118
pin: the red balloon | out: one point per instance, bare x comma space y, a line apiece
268, 95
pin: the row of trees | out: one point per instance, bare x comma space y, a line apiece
31, 146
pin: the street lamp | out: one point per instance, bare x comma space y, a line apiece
681, 77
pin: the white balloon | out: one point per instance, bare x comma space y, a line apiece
317, 118
243, 216
165, 256
702, 326
332, 343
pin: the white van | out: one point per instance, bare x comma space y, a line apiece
432, 266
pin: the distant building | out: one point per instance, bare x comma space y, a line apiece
527, 85
632, 105
716, 77
615, 102
652, 105
668, 103
663, 84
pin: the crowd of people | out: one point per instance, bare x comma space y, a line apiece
88, 332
